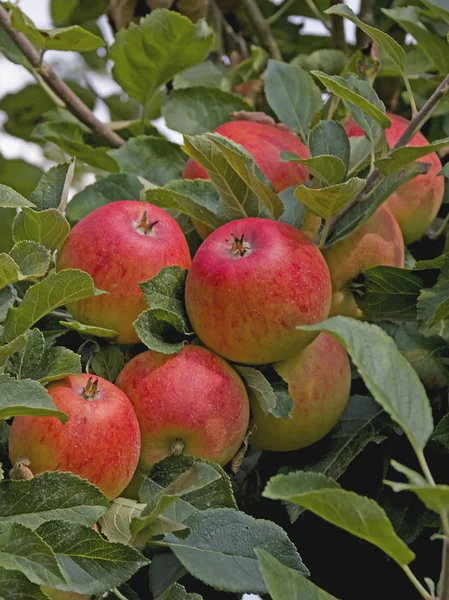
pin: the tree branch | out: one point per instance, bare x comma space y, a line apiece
74, 104
366, 15
414, 126
262, 28
338, 30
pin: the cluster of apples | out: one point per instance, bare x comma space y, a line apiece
249, 286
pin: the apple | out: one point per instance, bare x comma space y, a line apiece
416, 203
265, 143
319, 382
192, 402
58, 595
100, 441
251, 283
377, 242
121, 244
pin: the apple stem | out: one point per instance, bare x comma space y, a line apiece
145, 225
239, 247
177, 447
91, 389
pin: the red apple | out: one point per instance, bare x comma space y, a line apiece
119, 245
319, 382
414, 204
264, 143
377, 242
251, 283
100, 441
192, 402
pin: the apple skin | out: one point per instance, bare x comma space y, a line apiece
110, 246
100, 441
319, 382
416, 203
265, 143
58, 595
193, 399
377, 242
246, 308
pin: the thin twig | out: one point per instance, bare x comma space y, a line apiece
338, 30
366, 15
421, 589
234, 39
73, 103
414, 126
262, 28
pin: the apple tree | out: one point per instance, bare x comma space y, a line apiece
322, 158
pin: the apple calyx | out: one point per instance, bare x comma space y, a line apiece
91, 390
177, 447
145, 225
239, 247
21, 469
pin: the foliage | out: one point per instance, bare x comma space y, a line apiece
194, 521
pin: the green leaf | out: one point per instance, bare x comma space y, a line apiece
438, 8
178, 592
195, 198
391, 47
9, 270
7, 216
194, 110
369, 124
21, 549
9, 198
362, 211
116, 522
326, 202
15, 585
19, 174
242, 188
164, 294
90, 564
248, 70
387, 374
75, 140
327, 169
8, 297
293, 95
56, 290
89, 330
294, 210
105, 190
216, 493
108, 362
50, 189
283, 582
12, 52
8, 349
76, 11
356, 514
434, 497
165, 569
51, 496
343, 88
260, 388
408, 17
153, 158
328, 60
402, 157
218, 554
206, 73
441, 432
433, 310
47, 227
66, 38
26, 397
147, 56
157, 334
27, 260
390, 294
330, 138
362, 150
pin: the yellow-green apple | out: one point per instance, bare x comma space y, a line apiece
416, 203
251, 283
120, 245
58, 595
377, 242
265, 143
100, 441
319, 381
192, 402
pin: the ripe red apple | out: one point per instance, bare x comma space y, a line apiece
251, 282
100, 441
414, 204
192, 402
264, 143
377, 242
319, 382
119, 245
